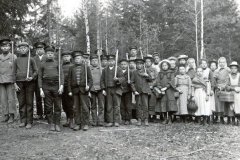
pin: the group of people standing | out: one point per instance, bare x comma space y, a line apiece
112, 91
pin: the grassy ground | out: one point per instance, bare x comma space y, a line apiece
175, 141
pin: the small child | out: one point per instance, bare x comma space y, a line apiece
201, 92
140, 87
183, 84
24, 84
165, 82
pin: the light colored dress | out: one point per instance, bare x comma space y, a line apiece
234, 82
183, 83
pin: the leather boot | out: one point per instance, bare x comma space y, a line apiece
127, 122
139, 122
184, 119
77, 128
169, 118
238, 121
221, 120
21, 125
175, 119
67, 123
71, 125
5, 118
57, 127
109, 125
11, 118
199, 120
165, 121
52, 127
85, 128
146, 122
228, 120
29, 126
215, 119
233, 121
204, 120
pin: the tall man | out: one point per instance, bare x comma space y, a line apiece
111, 86
7, 92
51, 88
39, 58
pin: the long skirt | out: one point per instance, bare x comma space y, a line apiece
212, 99
182, 101
203, 105
236, 105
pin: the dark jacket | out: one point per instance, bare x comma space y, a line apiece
38, 61
126, 87
72, 80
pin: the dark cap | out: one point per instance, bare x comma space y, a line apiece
155, 54
182, 57
103, 57
5, 42
148, 57
131, 60
94, 56
64, 53
39, 45
77, 53
23, 44
132, 47
213, 61
109, 57
49, 49
139, 60
123, 60
86, 55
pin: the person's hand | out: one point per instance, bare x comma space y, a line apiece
42, 93
29, 79
207, 97
60, 91
219, 88
70, 94
17, 89
115, 79
145, 75
164, 89
193, 99
151, 87
87, 88
129, 81
136, 93
189, 97
181, 92
104, 92
211, 92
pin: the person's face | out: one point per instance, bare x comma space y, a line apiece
139, 66
148, 62
40, 51
5, 47
182, 61
222, 63
213, 66
132, 65
124, 65
23, 49
94, 62
204, 64
111, 62
104, 63
133, 52
156, 59
182, 70
173, 64
50, 55
199, 72
66, 58
234, 69
164, 66
78, 60
191, 63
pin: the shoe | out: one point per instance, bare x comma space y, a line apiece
57, 127
123, 122
85, 128
94, 124
52, 127
38, 117
77, 128
67, 124
11, 119
165, 121
233, 121
5, 118
116, 124
146, 122
139, 122
127, 123
204, 121
21, 125
71, 125
109, 125
100, 124
29, 126
170, 120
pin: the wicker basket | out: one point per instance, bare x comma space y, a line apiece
226, 96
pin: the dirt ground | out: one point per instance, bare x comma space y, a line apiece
157, 141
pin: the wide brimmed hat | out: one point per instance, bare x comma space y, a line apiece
149, 57
234, 63
172, 58
139, 60
4, 42
165, 60
183, 56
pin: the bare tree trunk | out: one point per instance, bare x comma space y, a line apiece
107, 34
49, 21
196, 28
85, 12
202, 45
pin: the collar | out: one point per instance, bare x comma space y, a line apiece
23, 55
204, 68
111, 67
233, 74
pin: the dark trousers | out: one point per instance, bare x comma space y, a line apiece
52, 102
38, 99
81, 103
113, 105
25, 99
152, 103
126, 106
97, 106
142, 106
67, 103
